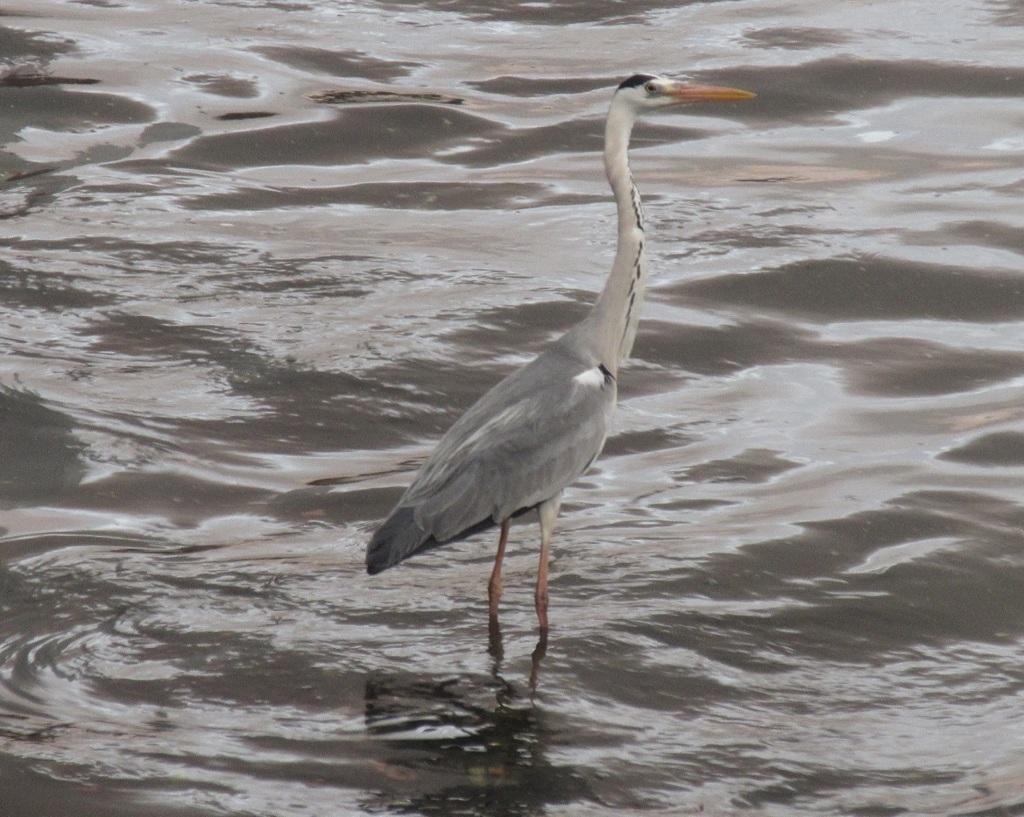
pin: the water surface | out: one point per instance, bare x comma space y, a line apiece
252, 246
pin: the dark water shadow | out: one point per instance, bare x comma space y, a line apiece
467, 746
823, 88
359, 134
602, 12
55, 108
998, 448
337, 63
28, 794
40, 457
865, 287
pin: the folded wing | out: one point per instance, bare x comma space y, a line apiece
522, 443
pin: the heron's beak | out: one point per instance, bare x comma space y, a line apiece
691, 92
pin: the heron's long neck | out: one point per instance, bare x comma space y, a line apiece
612, 323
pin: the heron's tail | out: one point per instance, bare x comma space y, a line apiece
400, 537
397, 538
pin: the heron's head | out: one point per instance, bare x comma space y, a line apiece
646, 92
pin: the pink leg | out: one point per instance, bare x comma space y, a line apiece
548, 512
540, 596
494, 585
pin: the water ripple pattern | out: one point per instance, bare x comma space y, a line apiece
257, 256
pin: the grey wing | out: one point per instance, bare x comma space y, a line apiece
522, 443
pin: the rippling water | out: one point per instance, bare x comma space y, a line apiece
250, 246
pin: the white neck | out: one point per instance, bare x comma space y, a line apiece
611, 326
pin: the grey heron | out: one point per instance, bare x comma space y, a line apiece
534, 433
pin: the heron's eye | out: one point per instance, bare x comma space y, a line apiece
651, 88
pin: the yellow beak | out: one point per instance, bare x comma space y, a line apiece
691, 92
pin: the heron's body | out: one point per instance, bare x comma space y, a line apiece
530, 419
539, 429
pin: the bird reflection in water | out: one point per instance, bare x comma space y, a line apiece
473, 745
496, 649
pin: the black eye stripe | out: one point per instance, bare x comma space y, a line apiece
636, 80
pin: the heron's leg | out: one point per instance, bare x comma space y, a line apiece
494, 585
548, 512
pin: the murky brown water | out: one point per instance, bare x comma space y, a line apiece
794, 583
